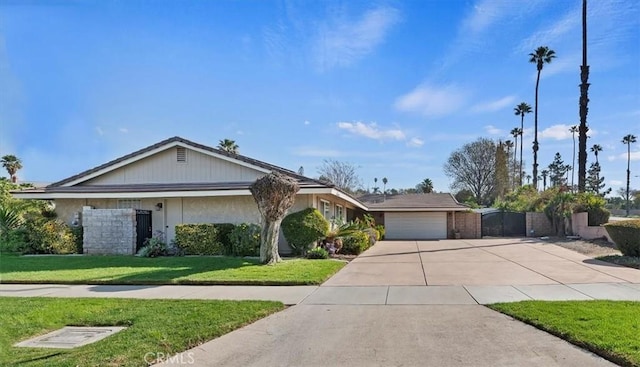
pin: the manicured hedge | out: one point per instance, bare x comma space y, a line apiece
626, 235
302, 229
245, 240
204, 239
356, 243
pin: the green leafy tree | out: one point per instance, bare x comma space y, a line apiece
12, 164
595, 183
542, 55
228, 146
628, 140
557, 171
520, 110
501, 171
426, 186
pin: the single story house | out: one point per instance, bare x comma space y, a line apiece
179, 181
421, 216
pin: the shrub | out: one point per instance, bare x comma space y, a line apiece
317, 253
245, 240
302, 229
355, 244
13, 240
598, 216
594, 205
78, 238
154, 247
48, 237
373, 235
224, 230
203, 239
381, 231
626, 235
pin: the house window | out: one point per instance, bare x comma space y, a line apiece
181, 154
339, 214
129, 204
325, 206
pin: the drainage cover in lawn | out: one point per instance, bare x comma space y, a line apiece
70, 337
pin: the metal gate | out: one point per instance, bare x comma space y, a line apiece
504, 224
143, 227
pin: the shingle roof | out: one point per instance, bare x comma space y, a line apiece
163, 187
239, 157
411, 201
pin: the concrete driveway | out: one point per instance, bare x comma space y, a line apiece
416, 304
486, 262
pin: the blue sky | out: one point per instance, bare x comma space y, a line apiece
390, 86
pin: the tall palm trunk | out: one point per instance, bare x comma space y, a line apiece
584, 100
573, 162
628, 175
521, 135
535, 135
515, 163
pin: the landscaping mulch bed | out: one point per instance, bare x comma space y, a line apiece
599, 249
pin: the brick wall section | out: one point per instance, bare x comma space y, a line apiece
469, 224
539, 223
109, 231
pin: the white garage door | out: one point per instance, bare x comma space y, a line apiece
415, 225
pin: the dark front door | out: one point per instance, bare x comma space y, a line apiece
143, 227
503, 224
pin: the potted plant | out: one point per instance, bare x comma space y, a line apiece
455, 233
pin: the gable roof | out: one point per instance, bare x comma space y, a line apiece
412, 202
178, 141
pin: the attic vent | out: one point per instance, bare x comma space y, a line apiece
181, 154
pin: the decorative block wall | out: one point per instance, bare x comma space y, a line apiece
469, 224
109, 231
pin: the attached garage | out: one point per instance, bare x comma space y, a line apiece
415, 225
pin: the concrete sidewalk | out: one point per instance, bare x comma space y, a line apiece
326, 295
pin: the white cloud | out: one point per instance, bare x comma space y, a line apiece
123, 130
492, 106
634, 156
240, 132
611, 158
557, 132
99, 131
432, 101
341, 41
307, 122
415, 142
371, 131
492, 130
615, 183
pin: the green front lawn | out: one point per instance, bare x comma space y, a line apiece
163, 270
154, 327
608, 328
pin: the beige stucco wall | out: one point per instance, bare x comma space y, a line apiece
164, 168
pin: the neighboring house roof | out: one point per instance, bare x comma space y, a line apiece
412, 202
71, 188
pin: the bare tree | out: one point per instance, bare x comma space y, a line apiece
274, 194
472, 168
341, 174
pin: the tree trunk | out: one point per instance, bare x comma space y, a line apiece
269, 241
515, 163
584, 109
535, 137
521, 136
628, 176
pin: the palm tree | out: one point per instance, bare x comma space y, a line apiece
628, 140
545, 173
12, 165
515, 132
542, 55
528, 179
573, 130
228, 146
509, 145
384, 182
520, 110
584, 101
595, 149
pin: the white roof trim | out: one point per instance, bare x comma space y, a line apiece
440, 209
165, 194
158, 150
